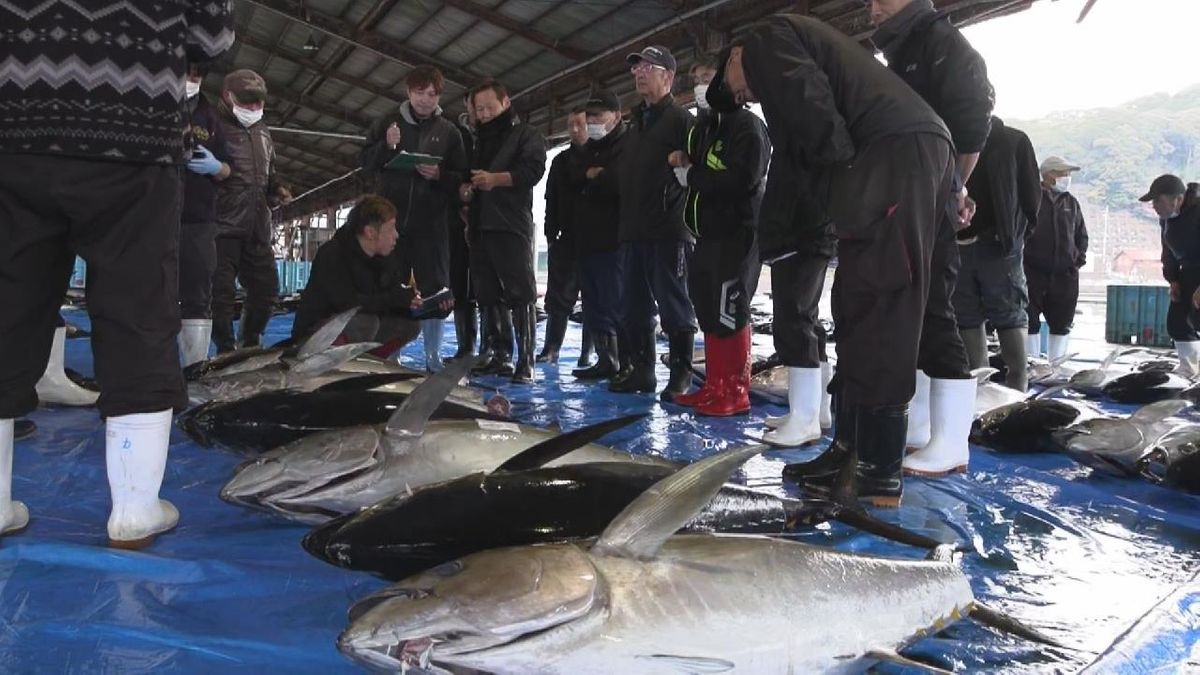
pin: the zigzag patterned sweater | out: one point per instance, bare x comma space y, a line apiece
102, 79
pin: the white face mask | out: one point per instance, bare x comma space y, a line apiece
596, 131
1061, 184
247, 117
701, 101
192, 89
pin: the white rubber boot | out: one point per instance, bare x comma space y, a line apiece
13, 515
951, 412
1189, 359
803, 423
1057, 345
136, 454
431, 334
826, 398
194, 336
1033, 345
55, 387
918, 415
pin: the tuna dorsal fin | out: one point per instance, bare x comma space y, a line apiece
1007, 624
642, 527
324, 336
329, 359
365, 382
1110, 359
983, 375
1057, 363
1159, 411
552, 448
411, 416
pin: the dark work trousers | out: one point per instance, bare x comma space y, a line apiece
656, 272
890, 210
562, 278
460, 264
123, 220
1183, 319
942, 355
253, 264
381, 328
1053, 295
991, 287
425, 255
722, 278
796, 286
600, 278
502, 269
197, 263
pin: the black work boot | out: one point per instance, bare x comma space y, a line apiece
874, 441
556, 331
254, 322
524, 320
585, 348
465, 327
606, 360
625, 349
641, 379
679, 359
499, 361
222, 335
488, 327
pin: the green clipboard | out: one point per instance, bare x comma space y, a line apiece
411, 160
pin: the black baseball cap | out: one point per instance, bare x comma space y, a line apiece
604, 100
1165, 184
655, 55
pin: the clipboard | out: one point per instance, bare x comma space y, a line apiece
431, 306
411, 160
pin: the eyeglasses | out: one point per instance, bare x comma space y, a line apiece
643, 66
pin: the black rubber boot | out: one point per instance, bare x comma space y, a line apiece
819, 474
873, 443
524, 319
222, 336
556, 331
488, 327
465, 327
254, 322
606, 360
625, 350
500, 360
679, 360
585, 349
641, 379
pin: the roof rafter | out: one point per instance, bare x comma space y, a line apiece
497, 18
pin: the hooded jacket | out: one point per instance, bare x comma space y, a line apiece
729, 153
1060, 240
652, 200
1181, 243
598, 210
933, 57
506, 144
344, 276
1007, 189
421, 204
244, 198
825, 99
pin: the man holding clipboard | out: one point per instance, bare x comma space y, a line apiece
420, 160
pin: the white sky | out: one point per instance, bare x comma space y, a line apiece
1041, 61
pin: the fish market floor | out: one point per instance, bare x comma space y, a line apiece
1085, 558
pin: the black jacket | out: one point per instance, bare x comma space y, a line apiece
825, 99
934, 58
200, 192
598, 213
564, 182
506, 144
1060, 240
343, 276
729, 152
651, 199
421, 204
1181, 243
1007, 189
244, 198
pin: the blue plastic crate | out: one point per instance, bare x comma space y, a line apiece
1138, 315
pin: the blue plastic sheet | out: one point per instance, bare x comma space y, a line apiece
1095, 562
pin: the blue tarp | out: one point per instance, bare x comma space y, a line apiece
1088, 559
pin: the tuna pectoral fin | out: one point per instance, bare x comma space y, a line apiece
860, 519
365, 382
311, 366
1159, 411
552, 448
892, 657
642, 527
690, 664
324, 336
1049, 391
983, 375
1007, 624
411, 416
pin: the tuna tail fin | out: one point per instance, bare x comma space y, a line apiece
860, 519
645, 525
1007, 624
552, 448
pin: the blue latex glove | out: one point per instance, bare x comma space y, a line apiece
203, 162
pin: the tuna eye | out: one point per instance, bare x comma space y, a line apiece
448, 569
